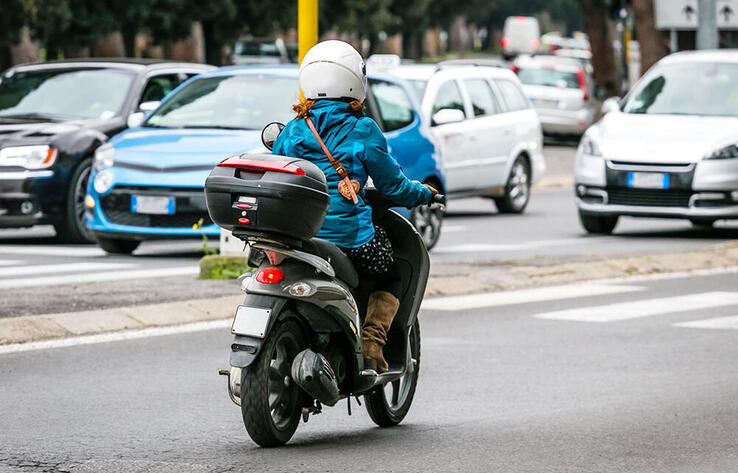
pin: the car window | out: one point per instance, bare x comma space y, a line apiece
65, 93
239, 102
512, 95
394, 106
159, 86
482, 100
448, 96
548, 77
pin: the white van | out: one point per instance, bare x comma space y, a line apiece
521, 35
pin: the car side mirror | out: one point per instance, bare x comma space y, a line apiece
135, 119
610, 105
447, 115
147, 107
270, 133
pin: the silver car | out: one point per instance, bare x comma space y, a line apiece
560, 90
668, 149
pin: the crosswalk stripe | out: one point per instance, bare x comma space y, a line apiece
502, 247
60, 268
524, 296
99, 277
714, 323
643, 308
9, 262
51, 250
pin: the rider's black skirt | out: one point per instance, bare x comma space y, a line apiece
375, 258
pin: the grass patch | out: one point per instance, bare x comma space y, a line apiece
223, 267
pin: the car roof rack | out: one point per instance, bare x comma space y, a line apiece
471, 62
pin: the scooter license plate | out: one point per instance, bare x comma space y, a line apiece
251, 321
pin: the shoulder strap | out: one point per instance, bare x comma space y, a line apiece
340, 169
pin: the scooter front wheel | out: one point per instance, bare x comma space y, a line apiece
271, 403
388, 405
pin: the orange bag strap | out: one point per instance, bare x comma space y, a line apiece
340, 169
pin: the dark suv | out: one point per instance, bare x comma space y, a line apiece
52, 118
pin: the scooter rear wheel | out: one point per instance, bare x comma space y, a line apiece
388, 405
271, 403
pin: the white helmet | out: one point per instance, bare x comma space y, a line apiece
333, 70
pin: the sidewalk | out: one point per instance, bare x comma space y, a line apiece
446, 280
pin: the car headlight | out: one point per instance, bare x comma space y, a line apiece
728, 152
103, 181
104, 157
29, 157
589, 146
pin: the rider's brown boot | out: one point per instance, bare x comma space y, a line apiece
380, 312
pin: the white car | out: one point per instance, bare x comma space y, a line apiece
561, 91
668, 149
520, 35
488, 134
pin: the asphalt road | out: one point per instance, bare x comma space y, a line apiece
568, 383
39, 276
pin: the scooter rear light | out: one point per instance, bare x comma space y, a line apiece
253, 165
270, 276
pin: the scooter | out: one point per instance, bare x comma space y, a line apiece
297, 336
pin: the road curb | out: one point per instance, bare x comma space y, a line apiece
452, 280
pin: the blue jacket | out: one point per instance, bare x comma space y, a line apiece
358, 143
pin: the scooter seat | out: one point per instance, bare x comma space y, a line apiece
341, 264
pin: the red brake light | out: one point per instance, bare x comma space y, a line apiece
520, 18
583, 84
504, 42
535, 42
515, 69
270, 276
253, 165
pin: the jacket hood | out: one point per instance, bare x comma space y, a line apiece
663, 138
169, 148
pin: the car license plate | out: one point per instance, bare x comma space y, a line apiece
648, 180
146, 204
250, 321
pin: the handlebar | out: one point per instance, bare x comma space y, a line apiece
438, 199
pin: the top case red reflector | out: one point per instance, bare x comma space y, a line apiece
253, 165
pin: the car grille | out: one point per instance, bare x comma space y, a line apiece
189, 207
649, 197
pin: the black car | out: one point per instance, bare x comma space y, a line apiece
53, 116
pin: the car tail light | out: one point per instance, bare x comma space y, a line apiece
252, 165
583, 84
535, 42
504, 42
515, 69
520, 18
270, 276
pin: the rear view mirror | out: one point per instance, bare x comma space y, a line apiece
270, 133
147, 107
135, 119
610, 105
448, 115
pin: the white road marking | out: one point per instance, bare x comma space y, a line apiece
720, 323
453, 228
502, 247
524, 296
9, 262
115, 336
50, 251
44, 269
644, 308
98, 277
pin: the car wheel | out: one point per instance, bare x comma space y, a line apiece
117, 246
702, 224
428, 221
598, 224
73, 226
517, 189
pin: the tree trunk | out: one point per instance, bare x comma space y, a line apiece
650, 39
129, 31
595, 14
6, 58
213, 48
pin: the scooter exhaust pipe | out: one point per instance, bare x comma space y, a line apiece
312, 372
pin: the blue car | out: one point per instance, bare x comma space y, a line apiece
147, 182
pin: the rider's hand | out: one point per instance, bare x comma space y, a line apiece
431, 189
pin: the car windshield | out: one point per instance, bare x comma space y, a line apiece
64, 93
238, 102
687, 89
419, 87
548, 77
